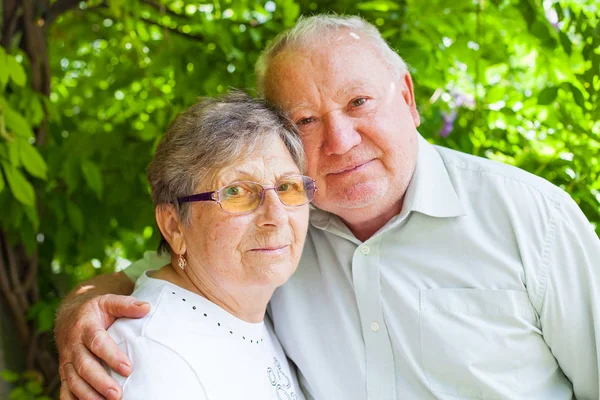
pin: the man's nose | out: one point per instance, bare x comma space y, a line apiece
340, 133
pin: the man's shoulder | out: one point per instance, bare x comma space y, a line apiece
482, 173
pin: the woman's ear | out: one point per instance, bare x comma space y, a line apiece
171, 227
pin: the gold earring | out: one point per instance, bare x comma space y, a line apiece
181, 262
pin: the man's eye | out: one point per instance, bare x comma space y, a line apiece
305, 121
358, 102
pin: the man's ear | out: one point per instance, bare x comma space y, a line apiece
409, 96
171, 227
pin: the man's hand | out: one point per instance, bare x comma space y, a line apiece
82, 340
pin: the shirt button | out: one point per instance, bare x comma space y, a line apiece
375, 326
365, 250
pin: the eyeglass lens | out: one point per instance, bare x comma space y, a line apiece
241, 197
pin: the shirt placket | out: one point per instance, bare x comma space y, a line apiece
378, 348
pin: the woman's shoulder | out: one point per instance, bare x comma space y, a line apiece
150, 291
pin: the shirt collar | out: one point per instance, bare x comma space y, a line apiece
430, 191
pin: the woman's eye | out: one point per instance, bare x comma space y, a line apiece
358, 102
233, 191
284, 187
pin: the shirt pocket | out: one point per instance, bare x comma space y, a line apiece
474, 341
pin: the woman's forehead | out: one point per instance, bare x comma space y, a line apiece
262, 168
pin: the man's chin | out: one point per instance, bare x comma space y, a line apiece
355, 197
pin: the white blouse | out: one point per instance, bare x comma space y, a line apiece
189, 348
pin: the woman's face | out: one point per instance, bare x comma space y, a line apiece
258, 250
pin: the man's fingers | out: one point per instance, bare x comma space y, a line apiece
77, 387
88, 368
99, 342
65, 393
121, 306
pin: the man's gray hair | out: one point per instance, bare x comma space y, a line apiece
212, 134
310, 31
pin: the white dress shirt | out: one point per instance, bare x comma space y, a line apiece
485, 286
189, 348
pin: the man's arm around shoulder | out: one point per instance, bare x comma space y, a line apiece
81, 336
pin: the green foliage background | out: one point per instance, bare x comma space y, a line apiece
512, 80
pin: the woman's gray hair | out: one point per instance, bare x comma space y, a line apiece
310, 31
212, 134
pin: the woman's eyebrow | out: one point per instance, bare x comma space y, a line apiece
244, 175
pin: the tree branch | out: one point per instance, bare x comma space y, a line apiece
16, 309
9, 23
14, 272
31, 274
198, 38
59, 8
162, 9
32, 349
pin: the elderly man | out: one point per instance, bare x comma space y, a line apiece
426, 274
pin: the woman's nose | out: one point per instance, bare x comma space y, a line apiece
273, 211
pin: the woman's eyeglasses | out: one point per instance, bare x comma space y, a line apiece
244, 196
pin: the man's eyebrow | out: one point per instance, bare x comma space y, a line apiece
351, 87
298, 107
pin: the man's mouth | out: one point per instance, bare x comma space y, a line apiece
351, 168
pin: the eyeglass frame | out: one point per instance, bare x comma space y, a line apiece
216, 194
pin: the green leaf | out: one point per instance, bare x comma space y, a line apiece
547, 95
75, 217
291, 11
71, 174
495, 94
3, 133
528, 11
15, 122
19, 185
381, 5
4, 73
9, 376
16, 71
46, 319
577, 95
565, 42
35, 109
35, 387
27, 237
93, 177
19, 394
32, 216
542, 31
32, 160
13, 153
2, 184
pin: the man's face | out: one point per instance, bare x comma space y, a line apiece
358, 124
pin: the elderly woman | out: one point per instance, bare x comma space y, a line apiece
232, 207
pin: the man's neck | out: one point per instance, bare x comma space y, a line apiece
364, 225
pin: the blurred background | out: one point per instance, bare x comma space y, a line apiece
88, 87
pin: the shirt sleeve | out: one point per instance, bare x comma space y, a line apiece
151, 260
570, 289
158, 373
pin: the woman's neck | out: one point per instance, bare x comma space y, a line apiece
246, 304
